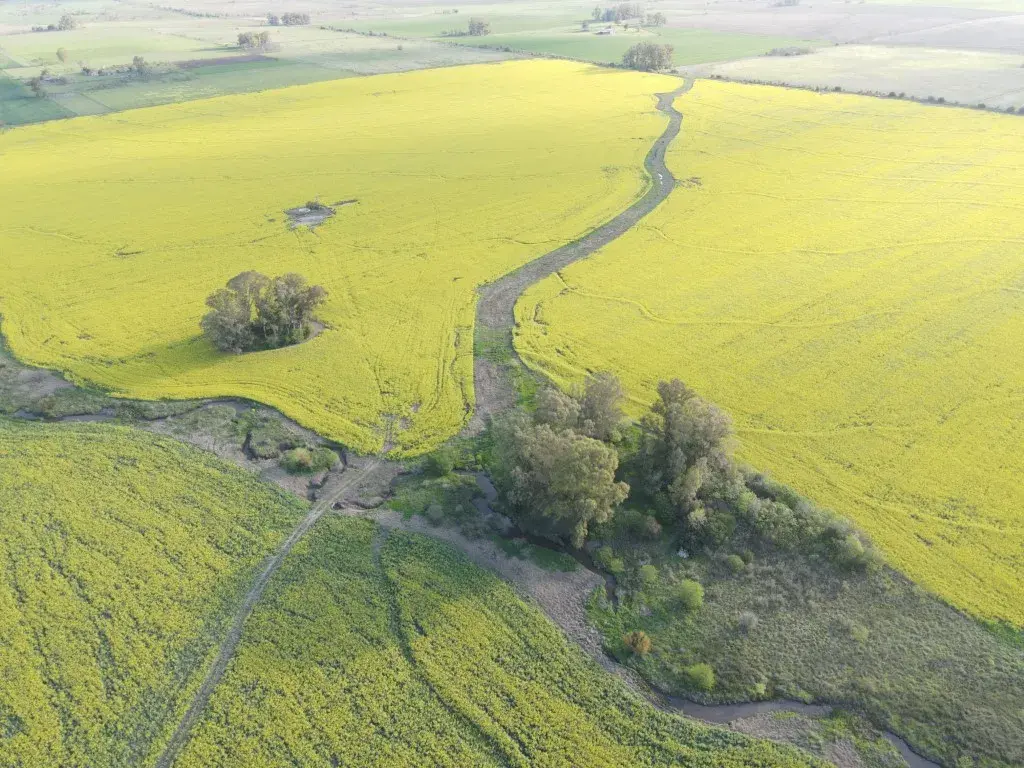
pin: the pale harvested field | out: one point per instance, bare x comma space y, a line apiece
968, 77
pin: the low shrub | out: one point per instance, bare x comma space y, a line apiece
441, 462
735, 563
605, 557
638, 642
303, 461
648, 575
747, 622
690, 595
699, 677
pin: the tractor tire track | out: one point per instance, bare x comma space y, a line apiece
230, 642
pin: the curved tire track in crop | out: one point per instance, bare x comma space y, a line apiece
229, 644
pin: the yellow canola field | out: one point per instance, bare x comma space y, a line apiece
845, 276
115, 229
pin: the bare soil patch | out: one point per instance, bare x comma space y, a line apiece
314, 213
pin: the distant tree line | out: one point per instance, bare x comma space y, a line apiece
648, 57
619, 12
288, 19
66, 22
476, 28
258, 312
249, 40
139, 67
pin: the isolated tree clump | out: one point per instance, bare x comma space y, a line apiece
648, 57
294, 19
249, 40
479, 27
66, 23
256, 312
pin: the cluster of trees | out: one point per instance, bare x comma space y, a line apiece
565, 469
648, 57
258, 312
619, 12
556, 470
66, 22
477, 27
253, 39
655, 20
288, 19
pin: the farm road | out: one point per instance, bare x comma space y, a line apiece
349, 482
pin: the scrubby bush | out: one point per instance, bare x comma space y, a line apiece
434, 514
735, 563
309, 461
699, 677
638, 642
648, 575
690, 595
747, 622
605, 557
441, 462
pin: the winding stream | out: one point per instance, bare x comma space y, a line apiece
718, 714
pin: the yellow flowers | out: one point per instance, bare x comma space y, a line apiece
414, 656
124, 556
846, 277
116, 228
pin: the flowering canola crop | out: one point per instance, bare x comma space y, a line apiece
124, 555
845, 276
414, 656
116, 228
